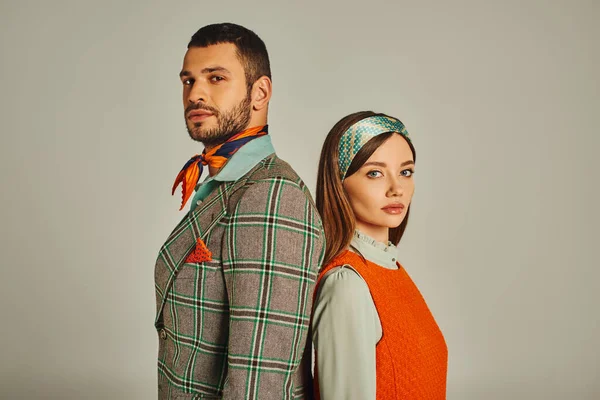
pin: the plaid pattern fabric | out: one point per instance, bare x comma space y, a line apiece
236, 327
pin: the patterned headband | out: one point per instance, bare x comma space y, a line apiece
360, 133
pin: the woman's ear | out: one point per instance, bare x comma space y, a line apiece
261, 93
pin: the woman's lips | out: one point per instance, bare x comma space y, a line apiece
393, 208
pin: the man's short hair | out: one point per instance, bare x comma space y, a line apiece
251, 50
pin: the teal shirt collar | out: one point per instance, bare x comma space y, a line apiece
237, 166
384, 254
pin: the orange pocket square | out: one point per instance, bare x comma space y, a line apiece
200, 253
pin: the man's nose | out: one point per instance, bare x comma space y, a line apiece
197, 94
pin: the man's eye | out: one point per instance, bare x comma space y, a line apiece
187, 82
374, 174
216, 78
407, 172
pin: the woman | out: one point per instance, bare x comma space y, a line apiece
373, 334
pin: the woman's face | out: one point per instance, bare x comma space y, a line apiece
381, 190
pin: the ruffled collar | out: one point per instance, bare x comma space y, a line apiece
384, 254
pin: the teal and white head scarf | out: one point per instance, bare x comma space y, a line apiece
360, 133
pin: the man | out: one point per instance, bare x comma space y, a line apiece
234, 280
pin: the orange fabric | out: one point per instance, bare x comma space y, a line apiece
411, 357
188, 178
200, 253
218, 161
191, 171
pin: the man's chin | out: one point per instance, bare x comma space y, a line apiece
198, 133
197, 136
206, 137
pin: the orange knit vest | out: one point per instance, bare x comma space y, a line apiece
411, 357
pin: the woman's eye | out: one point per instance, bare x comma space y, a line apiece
374, 174
407, 172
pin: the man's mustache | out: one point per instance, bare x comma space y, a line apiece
200, 106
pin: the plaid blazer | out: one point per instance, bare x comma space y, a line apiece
236, 327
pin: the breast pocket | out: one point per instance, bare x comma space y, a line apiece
198, 283
200, 305
189, 279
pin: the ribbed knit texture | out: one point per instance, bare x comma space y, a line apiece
411, 357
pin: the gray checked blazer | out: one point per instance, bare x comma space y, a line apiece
236, 327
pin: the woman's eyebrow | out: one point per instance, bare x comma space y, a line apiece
383, 165
375, 163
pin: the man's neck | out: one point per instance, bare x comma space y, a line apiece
208, 147
212, 171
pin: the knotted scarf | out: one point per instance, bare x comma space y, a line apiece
215, 157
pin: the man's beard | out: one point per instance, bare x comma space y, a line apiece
228, 123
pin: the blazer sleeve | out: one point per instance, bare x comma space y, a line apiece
274, 248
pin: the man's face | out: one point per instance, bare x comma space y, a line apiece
216, 98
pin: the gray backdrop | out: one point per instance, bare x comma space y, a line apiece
500, 98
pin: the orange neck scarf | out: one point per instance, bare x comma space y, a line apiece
215, 157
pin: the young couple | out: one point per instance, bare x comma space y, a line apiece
256, 274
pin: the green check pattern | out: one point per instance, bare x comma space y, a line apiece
236, 327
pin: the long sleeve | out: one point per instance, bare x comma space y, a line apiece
274, 247
346, 329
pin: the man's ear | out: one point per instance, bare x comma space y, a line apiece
261, 93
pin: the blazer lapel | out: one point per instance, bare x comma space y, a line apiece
179, 244
195, 224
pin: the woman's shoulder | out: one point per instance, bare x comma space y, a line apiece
348, 259
343, 299
342, 281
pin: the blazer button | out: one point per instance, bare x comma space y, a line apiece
163, 334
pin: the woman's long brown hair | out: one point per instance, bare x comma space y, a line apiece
332, 202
